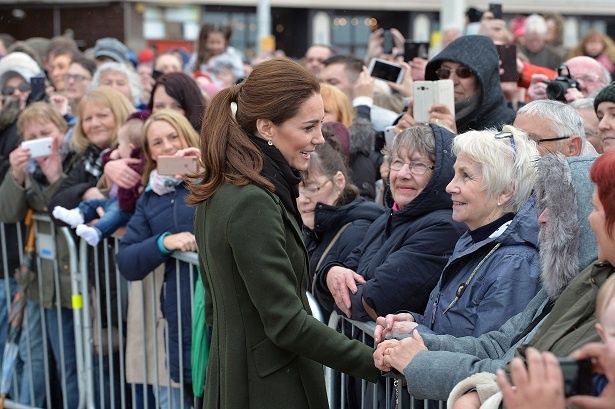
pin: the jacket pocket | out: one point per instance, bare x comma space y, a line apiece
269, 358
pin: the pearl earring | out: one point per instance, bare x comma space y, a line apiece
269, 142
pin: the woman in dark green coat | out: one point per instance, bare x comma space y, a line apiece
267, 351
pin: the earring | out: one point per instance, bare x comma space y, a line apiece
499, 204
269, 142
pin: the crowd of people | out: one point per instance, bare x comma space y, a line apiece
480, 241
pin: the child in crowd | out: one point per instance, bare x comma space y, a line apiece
120, 205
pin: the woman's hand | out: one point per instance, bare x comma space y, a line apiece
341, 281
405, 88
92, 193
52, 165
18, 160
406, 121
379, 361
439, 114
539, 386
402, 323
118, 172
418, 66
400, 355
60, 103
184, 241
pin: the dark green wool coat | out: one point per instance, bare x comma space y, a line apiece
267, 350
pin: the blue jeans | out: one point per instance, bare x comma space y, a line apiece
67, 369
171, 398
113, 219
29, 368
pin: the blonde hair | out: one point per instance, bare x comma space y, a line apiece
606, 295
178, 122
507, 160
41, 112
335, 100
114, 100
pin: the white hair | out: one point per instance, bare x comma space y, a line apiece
507, 162
563, 119
133, 79
536, 24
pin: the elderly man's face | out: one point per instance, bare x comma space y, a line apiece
539, 129
337, 75
314, 57
588, 73
534, 42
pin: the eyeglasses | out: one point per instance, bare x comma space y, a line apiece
311, 190
462, 72
416, 168
74, 77
509, 135
23, 87
559, 138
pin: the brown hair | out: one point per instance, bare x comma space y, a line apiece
275, 91
40, 112
108, 97
178, 122
607, 42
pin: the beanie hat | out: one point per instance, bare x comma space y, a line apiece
112, 48
18, 63
606, 94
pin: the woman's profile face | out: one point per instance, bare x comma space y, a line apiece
409, 173
318, 188
162, 100
297, 137
164, 140
98, 123
215, 43
597, 220
471, 203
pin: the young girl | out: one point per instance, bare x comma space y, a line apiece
213, 46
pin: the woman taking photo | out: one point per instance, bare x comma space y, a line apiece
259, 135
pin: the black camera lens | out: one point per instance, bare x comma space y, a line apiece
556, 90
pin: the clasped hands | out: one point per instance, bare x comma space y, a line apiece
396, 353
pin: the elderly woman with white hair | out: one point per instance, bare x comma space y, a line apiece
121, 77
494, 270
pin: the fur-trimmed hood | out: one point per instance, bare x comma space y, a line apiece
567, 243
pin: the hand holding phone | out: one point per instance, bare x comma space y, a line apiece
496, 10
508, 59
414, 49
176, 165
577, 376
387, 42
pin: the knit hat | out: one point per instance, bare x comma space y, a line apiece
112, 48
606, 94
18, 63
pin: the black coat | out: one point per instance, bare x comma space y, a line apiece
328, 220
404, 252
480, 55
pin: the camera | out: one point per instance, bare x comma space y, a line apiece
577, 376
556, 89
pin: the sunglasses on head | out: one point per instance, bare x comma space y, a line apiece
23, 87
462, 72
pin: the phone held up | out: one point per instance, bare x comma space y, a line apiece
416, 49
428, 93
176, 165
39, 147
387, 42
496, 10
577, 376
508, 58
386, 70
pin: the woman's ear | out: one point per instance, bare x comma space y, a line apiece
339, 180
265, 128
505, 197
600, 331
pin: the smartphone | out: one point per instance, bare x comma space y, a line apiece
414, 49
156, 74
176, 165
386, 70
508, 57
39, 147
496, 10
37, 89
428, 93
389, 136
387, 42
577, 376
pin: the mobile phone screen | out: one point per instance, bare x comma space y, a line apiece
508, 57
387, 42
413, 49
385, 71
496, 10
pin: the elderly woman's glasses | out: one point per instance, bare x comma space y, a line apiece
416, 168
312, 189
23, 87
509, 135
462, 72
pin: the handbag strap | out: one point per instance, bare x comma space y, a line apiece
331, 244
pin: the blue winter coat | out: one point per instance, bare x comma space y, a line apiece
139, 255
328, 220
404, 252
502, 286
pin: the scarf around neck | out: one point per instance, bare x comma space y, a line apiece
161, 185
285, 179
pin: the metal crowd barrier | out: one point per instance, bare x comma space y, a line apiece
390, 393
